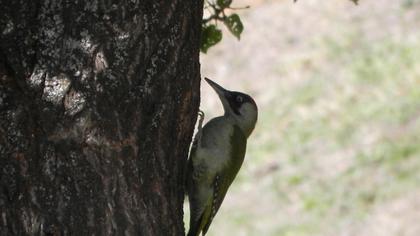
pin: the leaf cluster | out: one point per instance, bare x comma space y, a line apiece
219, 12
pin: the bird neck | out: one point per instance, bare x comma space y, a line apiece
246, 124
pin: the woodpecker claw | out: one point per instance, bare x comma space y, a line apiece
201, 116
199, 126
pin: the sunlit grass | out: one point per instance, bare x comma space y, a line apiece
335, 144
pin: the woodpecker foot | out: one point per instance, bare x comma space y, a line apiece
200, 125
200, 119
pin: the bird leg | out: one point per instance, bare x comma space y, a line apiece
199, 127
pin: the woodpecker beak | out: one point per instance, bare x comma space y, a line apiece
219, 89
221, 92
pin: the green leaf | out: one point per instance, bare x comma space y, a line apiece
234, 24
210, 36
224, 3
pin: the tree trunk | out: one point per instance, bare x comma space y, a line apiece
98, 101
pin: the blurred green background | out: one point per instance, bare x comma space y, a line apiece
336, 150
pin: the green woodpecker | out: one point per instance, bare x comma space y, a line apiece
217, 155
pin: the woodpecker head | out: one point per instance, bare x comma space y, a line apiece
241, 107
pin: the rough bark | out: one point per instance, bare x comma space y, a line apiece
98, 100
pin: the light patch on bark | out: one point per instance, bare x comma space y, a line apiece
33, 197
93, 138
4, 218
91, 217
10, 26
86, 74
55, 88
124, 36
74, 102
3, 97
101, 62
37, 78
158, 116
86, 43
31, 221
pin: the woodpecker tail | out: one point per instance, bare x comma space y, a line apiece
192, 233
194, 230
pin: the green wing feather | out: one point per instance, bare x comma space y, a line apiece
223, 181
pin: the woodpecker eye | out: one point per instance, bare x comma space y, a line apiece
239, 99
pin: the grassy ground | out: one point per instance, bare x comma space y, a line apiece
337, 147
